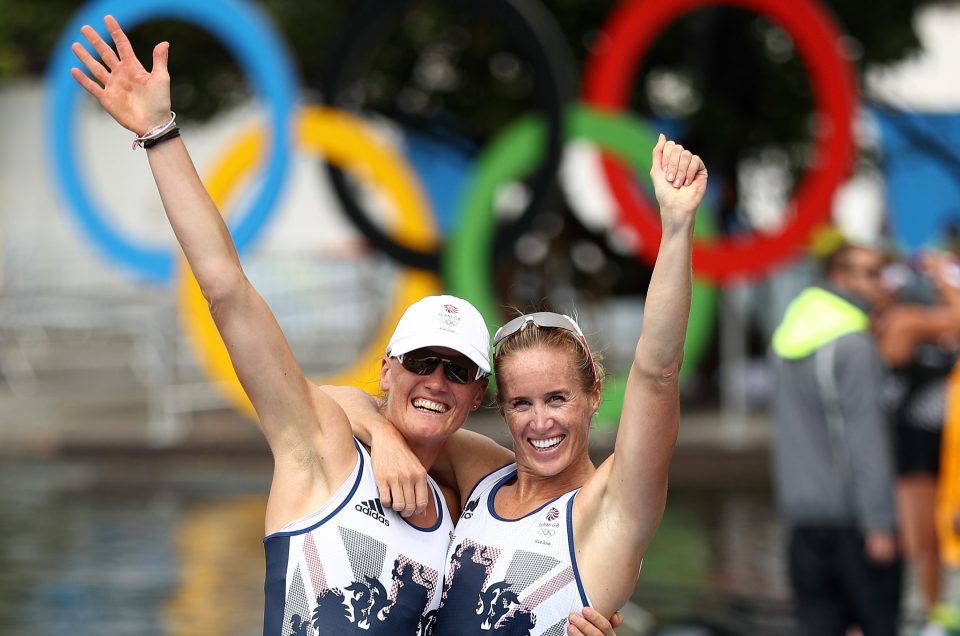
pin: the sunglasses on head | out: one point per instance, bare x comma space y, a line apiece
550, 320
540, 319
461, 370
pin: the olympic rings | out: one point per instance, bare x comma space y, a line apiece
533, 31
467, 260
246, 32
630, 31
343, 140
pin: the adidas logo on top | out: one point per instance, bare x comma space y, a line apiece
372, 508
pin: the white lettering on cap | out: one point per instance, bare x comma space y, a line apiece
448, 320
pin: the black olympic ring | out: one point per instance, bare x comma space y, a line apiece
534, 32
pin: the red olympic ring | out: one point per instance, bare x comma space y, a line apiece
630, 30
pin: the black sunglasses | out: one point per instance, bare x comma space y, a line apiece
424, 362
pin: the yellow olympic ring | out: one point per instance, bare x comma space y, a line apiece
343, 140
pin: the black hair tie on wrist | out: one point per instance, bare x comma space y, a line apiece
173, 134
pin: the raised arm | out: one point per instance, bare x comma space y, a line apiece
902, 328
283, 397
622, 503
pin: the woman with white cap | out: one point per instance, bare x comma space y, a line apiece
338, 561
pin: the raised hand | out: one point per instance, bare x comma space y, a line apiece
679, 181
138, 100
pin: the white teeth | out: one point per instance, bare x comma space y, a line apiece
544, 444
430, 405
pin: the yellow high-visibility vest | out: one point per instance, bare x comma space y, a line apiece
814, 318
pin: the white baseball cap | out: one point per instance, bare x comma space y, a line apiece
443, 321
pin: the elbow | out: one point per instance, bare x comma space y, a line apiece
661, 373
222, 287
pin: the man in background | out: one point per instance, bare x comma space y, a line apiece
831, 454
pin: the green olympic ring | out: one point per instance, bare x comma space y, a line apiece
510, 155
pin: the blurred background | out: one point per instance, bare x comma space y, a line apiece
367, 153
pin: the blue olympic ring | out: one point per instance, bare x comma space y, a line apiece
247, 34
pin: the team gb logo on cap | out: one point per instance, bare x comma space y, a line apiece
449, 320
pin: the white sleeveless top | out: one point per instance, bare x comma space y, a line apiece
517, 577
355, 567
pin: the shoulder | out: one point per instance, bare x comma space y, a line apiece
856, 350
484, 483
452, 498
473, 457
857, 341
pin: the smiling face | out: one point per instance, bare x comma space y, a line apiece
427, 409
547, 409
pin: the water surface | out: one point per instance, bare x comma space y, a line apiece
159, 546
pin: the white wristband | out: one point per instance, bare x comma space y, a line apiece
156, 131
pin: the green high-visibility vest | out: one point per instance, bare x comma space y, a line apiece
814, 318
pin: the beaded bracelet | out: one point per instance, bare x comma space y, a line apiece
156, 132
